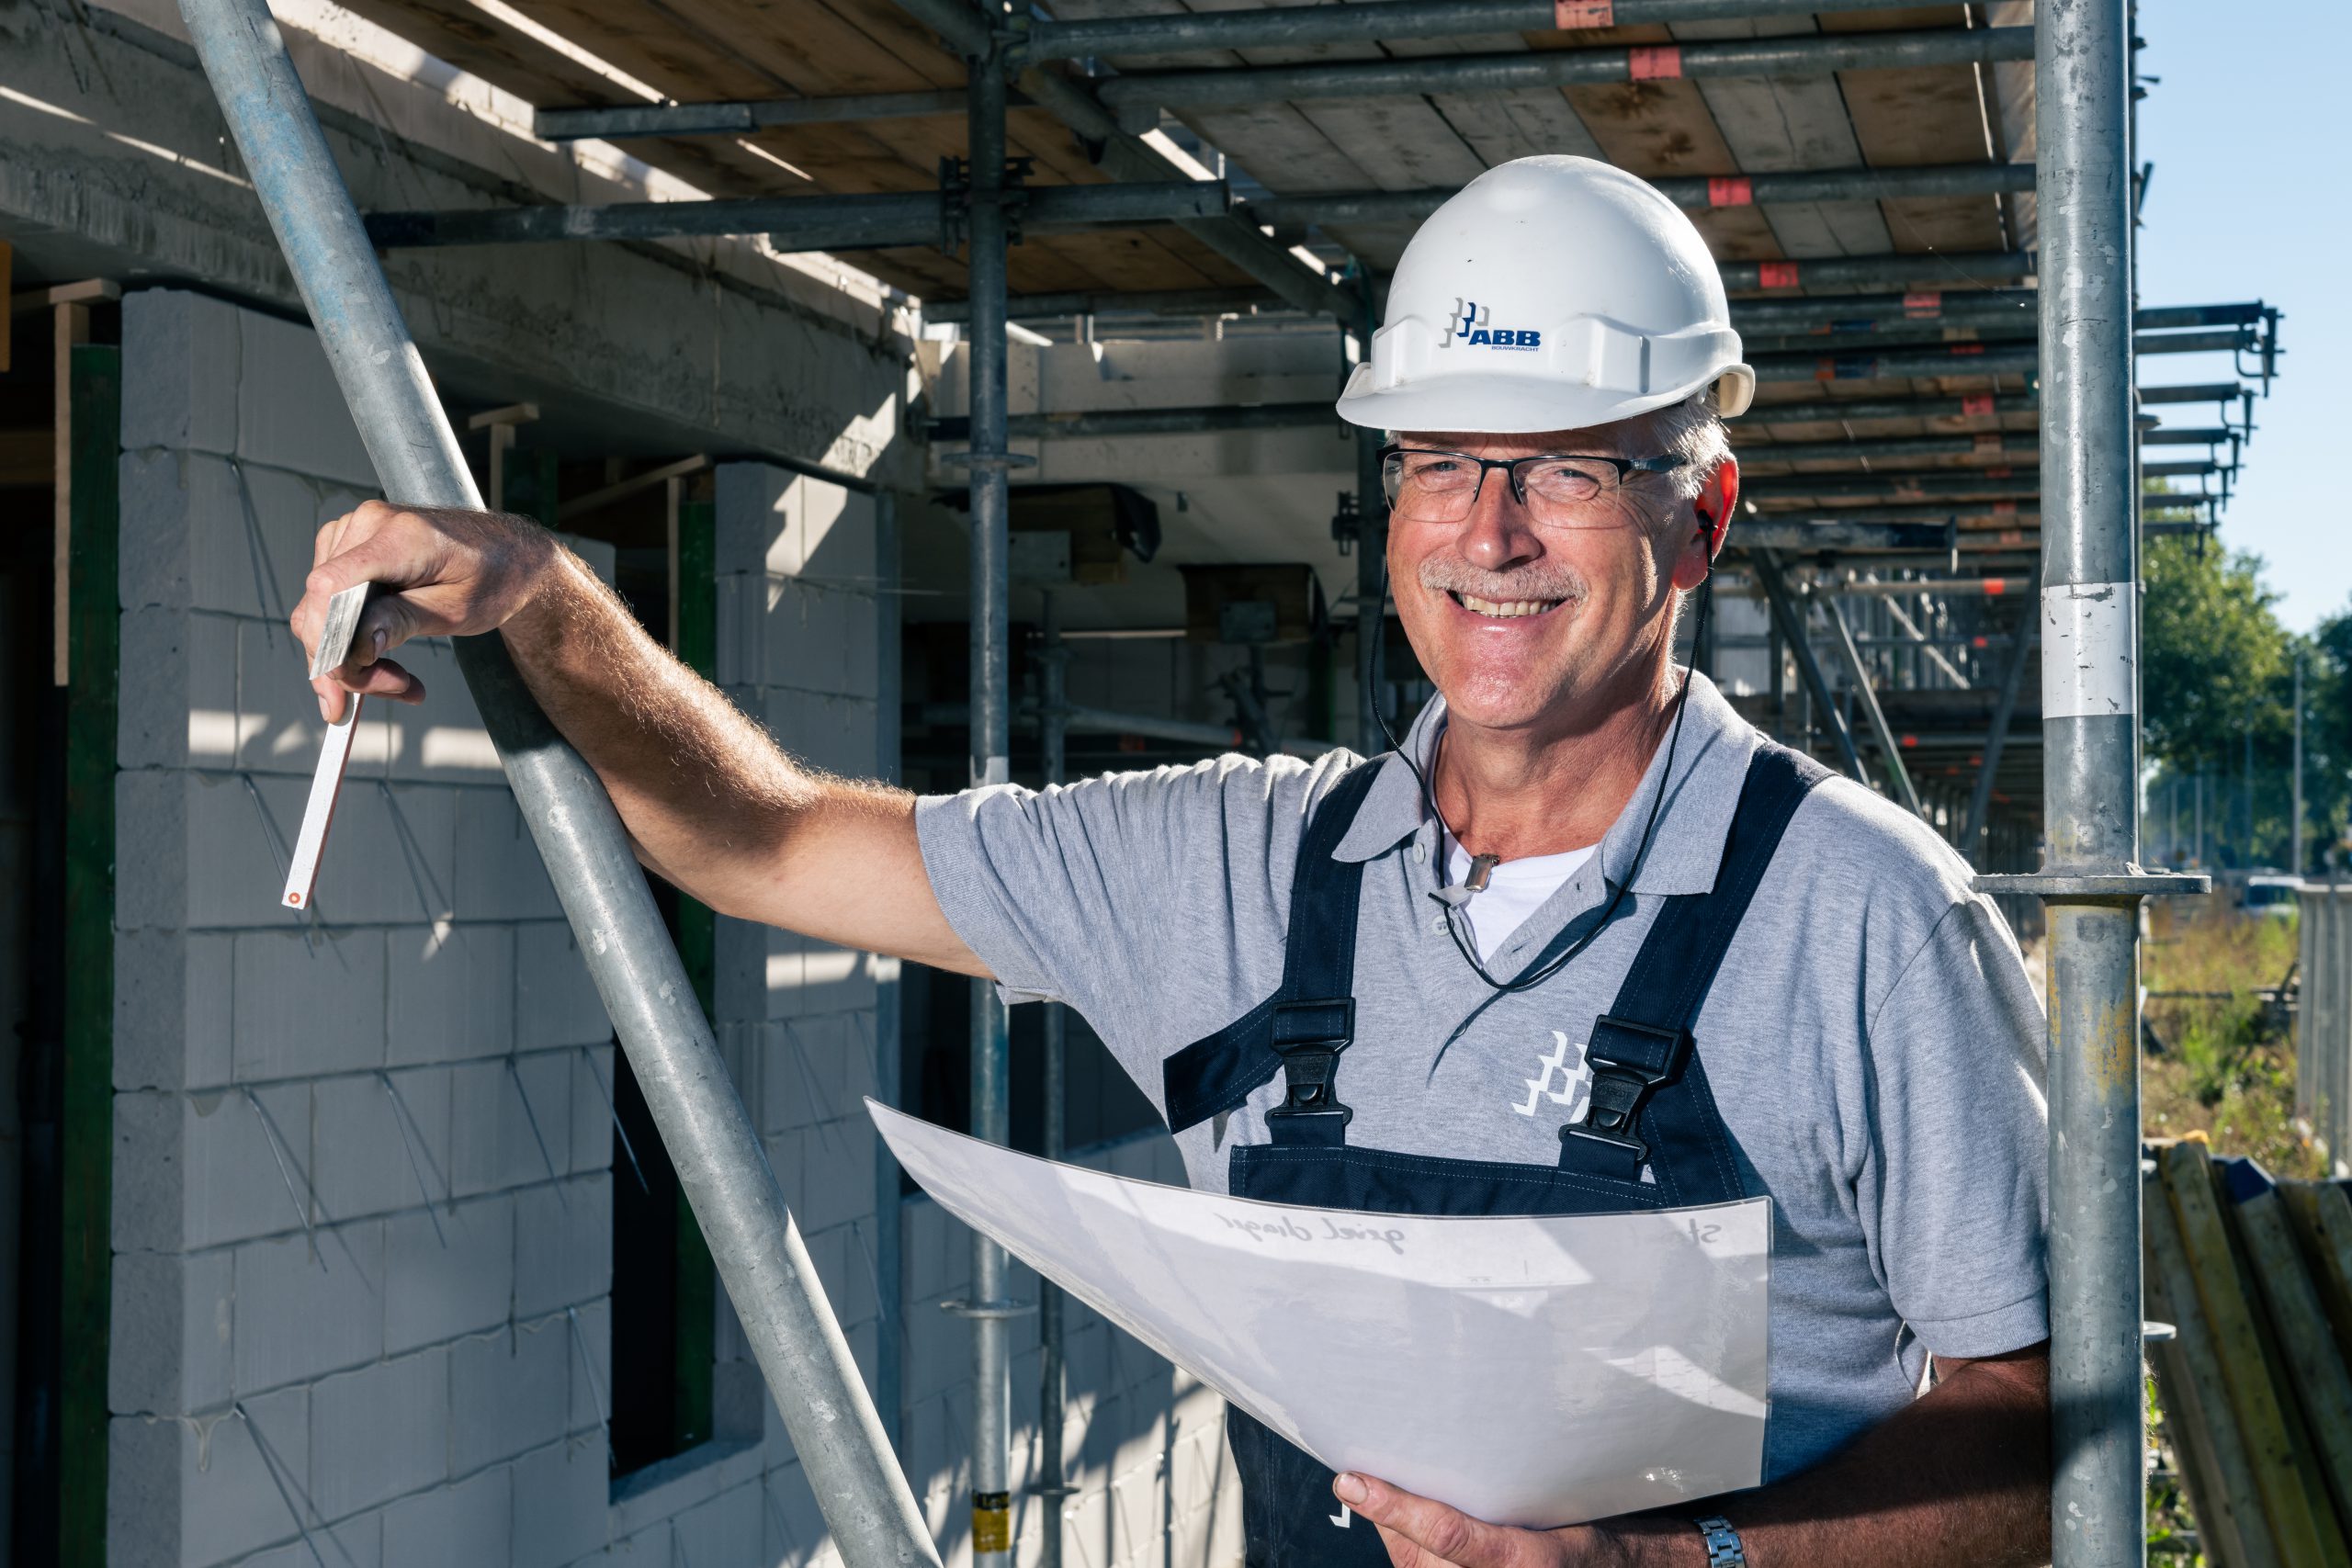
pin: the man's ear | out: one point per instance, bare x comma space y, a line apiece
1712, 509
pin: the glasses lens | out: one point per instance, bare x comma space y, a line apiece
1430, 487
1565, 481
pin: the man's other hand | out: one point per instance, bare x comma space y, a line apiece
439, 573
1419, 1533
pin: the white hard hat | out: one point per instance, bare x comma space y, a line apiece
1550, 293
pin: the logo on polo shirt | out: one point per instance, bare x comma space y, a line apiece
1570, 1075
1472, 325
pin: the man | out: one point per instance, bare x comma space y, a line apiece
1588, 944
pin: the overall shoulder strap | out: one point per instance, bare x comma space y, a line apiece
1315, 1007
1643, 1041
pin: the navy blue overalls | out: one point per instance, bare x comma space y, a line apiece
1649, 1107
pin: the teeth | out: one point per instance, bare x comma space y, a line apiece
1515, 608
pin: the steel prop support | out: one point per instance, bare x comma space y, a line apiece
1805, 55
1790, 617
1053, 1393
991, 746
1973, 842
638, 974
1866, 698
2089, 726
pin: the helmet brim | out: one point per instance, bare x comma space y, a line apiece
1520, 406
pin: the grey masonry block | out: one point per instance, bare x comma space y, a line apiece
151, 849
499, 875
379, 1432
589, 1337
377, 1143
290, 414
470, 1521
509, 1391
449, 1279
559, 1506
303, 1313
199, 1170
179, 350
178, 1495
592, 1145
740, 603
845, 1266
834, 980
740, 981
309, 1006
179, 699
804, 635
440, 740
836, 526
283, 513
753, 507
563, 1243
724, 1530
172, 1018
167, 1348
278, 727
510, 1121
235, 867
349, 1543
795, 1526
555, 1001
449, 993
862, 662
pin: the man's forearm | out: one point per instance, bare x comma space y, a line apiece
1960, 1478
703, 790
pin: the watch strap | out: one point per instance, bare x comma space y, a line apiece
1722, 1542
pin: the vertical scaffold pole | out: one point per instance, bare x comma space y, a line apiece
992, 744
1053, 656
2090, 881
710, 1139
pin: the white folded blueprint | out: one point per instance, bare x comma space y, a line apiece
1527, 1370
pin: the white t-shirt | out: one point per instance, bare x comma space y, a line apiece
1515, 889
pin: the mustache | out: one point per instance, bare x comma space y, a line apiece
1549, 579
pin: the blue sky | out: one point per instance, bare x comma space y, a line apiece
2244, 131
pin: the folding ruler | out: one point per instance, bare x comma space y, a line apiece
326, 784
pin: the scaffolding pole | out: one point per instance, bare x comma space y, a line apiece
1051, 1487
2090, 881
721, 1165
991, 746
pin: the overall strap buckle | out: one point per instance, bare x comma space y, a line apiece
1308, 1036
1628, 1060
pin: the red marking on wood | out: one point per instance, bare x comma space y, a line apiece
1976, 404
2004, 508
1923, 302
1776, 275
1824, 370
1567, 14
1999, 473
1654, 63
1997, 586
1730, 190
1968, 348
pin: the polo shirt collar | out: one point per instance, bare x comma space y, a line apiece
1710, 765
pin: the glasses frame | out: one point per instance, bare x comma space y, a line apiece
1665, 462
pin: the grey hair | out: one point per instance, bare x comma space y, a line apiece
1694, 431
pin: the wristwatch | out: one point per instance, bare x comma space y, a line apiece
1722, 1542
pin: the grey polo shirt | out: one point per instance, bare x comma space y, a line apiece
1870, 1039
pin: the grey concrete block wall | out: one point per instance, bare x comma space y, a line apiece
363, 1175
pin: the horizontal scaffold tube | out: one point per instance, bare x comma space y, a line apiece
802, 222
1286, 24
2023, 446
1950, 271
1148, 421
1957, 405
1330, 207
1815, 54
1972, 358
620, 122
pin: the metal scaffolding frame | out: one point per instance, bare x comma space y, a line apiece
721, 1167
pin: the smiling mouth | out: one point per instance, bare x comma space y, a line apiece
1510, 609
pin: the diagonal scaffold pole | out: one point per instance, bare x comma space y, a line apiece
724, 1171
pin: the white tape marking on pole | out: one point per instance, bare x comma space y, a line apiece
2087, 645
326, 784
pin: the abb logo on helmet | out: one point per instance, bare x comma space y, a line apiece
1468, 326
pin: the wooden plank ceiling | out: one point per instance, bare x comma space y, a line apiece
706, 50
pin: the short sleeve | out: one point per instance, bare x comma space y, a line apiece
1154, 903
1953, 1192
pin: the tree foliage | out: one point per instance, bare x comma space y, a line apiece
2216, 681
